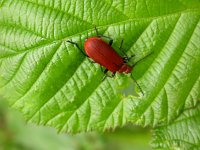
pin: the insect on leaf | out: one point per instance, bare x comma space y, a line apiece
53, 84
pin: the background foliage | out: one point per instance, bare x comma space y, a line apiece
52, 84
15, 135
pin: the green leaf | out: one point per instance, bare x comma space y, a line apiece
53, 84
183, 133
171, 79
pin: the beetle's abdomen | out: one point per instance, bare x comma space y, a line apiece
125, 69
103, 54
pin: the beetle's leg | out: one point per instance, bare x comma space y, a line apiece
110, 39
99, 35
126, 58
95, 28
110, 42
105, 72
102, 69
76, 44
106, 75
113, 75
104, 78
122, 50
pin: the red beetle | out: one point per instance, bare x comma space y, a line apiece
102, 53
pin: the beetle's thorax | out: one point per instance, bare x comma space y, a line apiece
125, 69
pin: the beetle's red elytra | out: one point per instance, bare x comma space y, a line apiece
103, 54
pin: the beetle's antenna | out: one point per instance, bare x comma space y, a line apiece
87, 35
136, 64
77, 46
142, 59
95, 28
137, 84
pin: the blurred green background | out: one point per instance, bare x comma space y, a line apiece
15, 134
